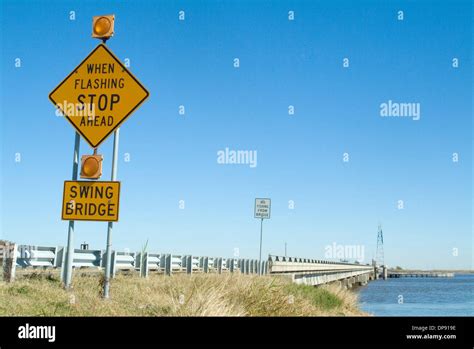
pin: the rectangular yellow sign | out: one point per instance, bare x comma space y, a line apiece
91, 201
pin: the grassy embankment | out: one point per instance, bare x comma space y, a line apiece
41, 294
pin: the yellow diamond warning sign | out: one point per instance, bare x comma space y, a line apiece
98, 95
91, 201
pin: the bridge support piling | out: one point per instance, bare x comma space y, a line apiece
363, 280
376, 273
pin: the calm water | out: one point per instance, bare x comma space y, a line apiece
421, 296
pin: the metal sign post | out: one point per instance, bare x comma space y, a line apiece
261, 235
110, 225
66, 274
262, 211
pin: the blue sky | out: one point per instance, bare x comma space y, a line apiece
300, 157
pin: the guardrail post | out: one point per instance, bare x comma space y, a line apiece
102, 261
55, 252
163, 262
13, 261
62, 273
168, 266
9, 256
99, 262
59, 260
219, 265
138, 262
201, 263
63, 266
143, 260
113, 264
189, 264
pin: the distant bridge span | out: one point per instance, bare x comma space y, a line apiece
317, 272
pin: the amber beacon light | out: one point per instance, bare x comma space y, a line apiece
91, 166
103, 26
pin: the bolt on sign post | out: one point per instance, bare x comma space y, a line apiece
96, 98
262, 211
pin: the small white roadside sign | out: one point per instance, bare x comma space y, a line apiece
262, 208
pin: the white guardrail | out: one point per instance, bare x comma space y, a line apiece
45, 257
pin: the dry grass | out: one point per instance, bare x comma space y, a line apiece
178, 295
